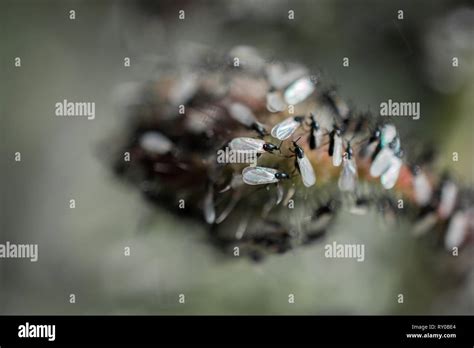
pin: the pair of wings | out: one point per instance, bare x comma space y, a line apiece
285, 128
306, 171
242, 114
262, 175
348, 178
247, 144
299, 90
382, 162
259, 175
337, 153
387, 165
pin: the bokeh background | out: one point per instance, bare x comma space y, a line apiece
81, 250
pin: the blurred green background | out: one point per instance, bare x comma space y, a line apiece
81, 249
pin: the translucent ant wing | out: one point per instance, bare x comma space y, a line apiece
318, 136
280, 77
299, 90
307, 172
424, 224
422, 188
242, 114
348, 178
249, 58
337, 153
275, 102
449, 193
456, 232
259, 175
381, 162
247, 144
155, 143
209, 209
390, 177
286, 128
280, 193
230, 206
389, 132
183, 89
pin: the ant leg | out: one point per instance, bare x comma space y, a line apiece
290, 156
279, 147
324, 144
296, 167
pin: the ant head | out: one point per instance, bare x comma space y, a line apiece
349, 151
269, 147
299, 119
314, 122
378, 132
282, 175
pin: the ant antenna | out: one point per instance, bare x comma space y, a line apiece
349, 141
295, 141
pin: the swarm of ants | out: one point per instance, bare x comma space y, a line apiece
314, 153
